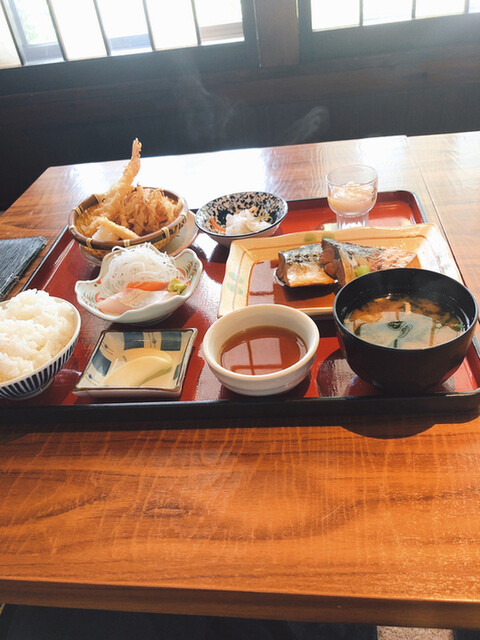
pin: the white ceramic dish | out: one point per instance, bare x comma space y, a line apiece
245, 284
35, 382
89, 292
112, 350
261, 315
268, 206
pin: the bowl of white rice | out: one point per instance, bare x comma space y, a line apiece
38, 334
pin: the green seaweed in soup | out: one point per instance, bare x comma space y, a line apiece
404, 322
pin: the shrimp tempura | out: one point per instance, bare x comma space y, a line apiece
112, 203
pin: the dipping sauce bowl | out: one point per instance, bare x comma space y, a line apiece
265, 316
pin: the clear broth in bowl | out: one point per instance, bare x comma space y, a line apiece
404, 322
262, 350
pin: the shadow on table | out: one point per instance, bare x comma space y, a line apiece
51, 623
371, 426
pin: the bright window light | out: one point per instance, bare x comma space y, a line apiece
125, 25
336, 14
49, 30
332, 15
79, 27
379, 11
431, 8
8, 53
122, 19
212, 12
172, 24
36, 22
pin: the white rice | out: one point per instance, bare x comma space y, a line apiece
34, 327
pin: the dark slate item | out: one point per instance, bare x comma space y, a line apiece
15, 256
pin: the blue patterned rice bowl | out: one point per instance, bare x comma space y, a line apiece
35, 382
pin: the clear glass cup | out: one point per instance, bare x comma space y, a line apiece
352, 193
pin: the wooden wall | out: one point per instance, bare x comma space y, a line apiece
91, 111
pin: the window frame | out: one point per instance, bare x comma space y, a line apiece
30, 53
245, 50
417, 34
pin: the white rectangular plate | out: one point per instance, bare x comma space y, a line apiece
250, 268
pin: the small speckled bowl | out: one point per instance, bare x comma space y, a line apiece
268, 207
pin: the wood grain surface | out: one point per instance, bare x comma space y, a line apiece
362, 519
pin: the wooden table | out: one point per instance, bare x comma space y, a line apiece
363, 519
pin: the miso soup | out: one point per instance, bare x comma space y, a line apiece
404, 322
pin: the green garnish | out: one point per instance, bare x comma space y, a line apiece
362, 270
177, 286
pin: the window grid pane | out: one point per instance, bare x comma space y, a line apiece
36, 22
432, 8
54, 30
172, 24
215, 12
334, 15
352, 13
125, 26
9, 56
381, 12
79, 28
30, 25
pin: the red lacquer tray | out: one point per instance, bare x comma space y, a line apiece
331, 387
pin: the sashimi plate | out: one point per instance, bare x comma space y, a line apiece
251, 264
90, 292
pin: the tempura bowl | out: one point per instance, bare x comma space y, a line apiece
213, 215
99, 249
254, 316
403, 371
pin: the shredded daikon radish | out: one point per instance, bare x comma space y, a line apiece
141, 263
244, 221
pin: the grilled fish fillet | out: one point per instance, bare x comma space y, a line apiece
302, 267
335, 261
341, 259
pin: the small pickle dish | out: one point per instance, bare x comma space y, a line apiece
130, 364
